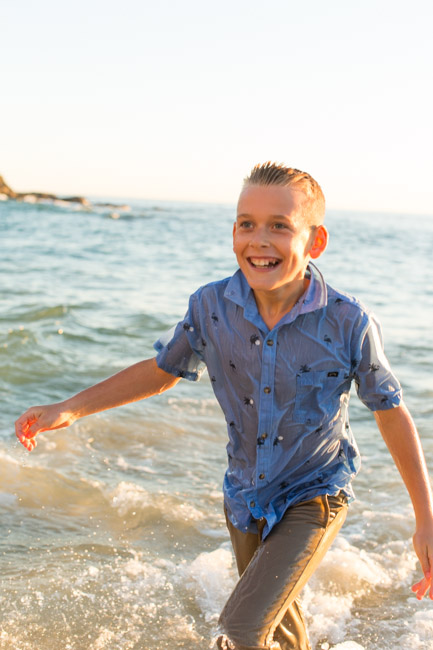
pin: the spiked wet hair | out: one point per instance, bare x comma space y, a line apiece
270, 173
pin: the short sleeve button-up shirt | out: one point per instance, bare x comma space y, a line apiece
284, 391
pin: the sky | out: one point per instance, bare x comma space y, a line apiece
179, 99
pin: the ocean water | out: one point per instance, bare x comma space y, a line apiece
112, 531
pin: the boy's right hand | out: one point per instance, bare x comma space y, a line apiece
41, 418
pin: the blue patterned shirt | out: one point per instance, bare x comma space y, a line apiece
284, 391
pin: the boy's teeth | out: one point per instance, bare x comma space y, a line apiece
256, 262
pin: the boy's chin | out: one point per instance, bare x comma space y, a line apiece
265, 273
265, 284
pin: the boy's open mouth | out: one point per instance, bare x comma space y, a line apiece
263, 262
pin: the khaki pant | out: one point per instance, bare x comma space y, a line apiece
262, 612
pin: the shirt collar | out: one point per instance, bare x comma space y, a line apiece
315, 297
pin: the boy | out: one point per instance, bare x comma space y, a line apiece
282, 349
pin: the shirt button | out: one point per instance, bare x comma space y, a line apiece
252, 504
269, 342
267, 390
264, 436
262, 476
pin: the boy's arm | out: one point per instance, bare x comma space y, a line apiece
401, 437
141, 380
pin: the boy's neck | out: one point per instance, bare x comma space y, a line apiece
273, 305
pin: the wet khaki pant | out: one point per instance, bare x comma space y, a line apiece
262, 612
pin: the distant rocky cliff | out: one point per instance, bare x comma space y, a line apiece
6, 190
7, 193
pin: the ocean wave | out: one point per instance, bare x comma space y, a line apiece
131, 499
210, 577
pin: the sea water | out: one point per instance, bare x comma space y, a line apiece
112, 531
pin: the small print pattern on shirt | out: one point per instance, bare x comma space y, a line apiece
284, 392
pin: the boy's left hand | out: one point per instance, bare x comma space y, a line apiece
423, 545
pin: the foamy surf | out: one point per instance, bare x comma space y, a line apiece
347, 645
129, 498
210, 577
420, 630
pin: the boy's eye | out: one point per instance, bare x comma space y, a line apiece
245, 224
280, 226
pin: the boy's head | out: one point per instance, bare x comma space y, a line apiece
268, 173
279, 227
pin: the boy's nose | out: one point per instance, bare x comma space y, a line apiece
259, 238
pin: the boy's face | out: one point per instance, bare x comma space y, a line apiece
272, 241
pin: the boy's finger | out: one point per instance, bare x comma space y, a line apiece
429, 578
23, 440
29, 444
422, 589
33, 428
32, 443
420, 595
419, 586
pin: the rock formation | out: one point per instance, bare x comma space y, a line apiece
7, 193
37, 196
6, 190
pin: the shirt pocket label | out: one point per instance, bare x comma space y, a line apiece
318, 395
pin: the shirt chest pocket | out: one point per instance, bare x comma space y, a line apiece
318, 395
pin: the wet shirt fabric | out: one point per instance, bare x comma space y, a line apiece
284, 391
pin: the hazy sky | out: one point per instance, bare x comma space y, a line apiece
178, 99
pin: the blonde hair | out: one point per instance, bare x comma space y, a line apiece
269, 173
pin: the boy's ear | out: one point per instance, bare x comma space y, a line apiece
234, 232
320, 242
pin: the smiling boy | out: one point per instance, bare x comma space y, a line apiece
282, 349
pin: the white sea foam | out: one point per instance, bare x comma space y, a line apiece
181, 629
183, 512
125, 465
399, 561
348, 645
211, 578
148, 589
105, 637
129, 497
351, 568
347, 573
145, 574
421, 636
93, 571
327, 615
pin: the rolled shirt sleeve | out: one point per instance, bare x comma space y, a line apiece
180, 350
376, 385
